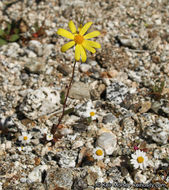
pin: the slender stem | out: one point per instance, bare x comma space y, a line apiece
54, 128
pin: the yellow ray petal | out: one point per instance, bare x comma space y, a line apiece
92, 35
72, 27
77, 52
85, 28
83, 53
88, 47
65, 33
68, 45
93, 44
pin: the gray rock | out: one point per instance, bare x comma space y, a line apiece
36, 46
40, 102
59, 178
128, 42
67, 159
159, 131
84, 67
79, 91
108, 142
36, 174
35, 65
116, 92
64, 69
109, 118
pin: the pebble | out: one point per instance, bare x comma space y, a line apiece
40, 102
59, 178
108, 142
79, 91
36, 174
116, 92
35, 65
36, 46
84, 67
64, 69
109, 118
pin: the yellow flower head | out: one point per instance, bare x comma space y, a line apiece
80, 40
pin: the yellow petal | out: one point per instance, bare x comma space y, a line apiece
93, 44
72, 27
83, 53
88, 47
77, 52
67, 46
85, 28
65, 33
92, 35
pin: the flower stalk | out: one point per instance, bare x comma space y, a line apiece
54, 128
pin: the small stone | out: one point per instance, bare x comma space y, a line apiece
67, 158
64, 69
108, 142
58, 178
40, 102
36, 174
145, 107
36, 46
130, 43
140, 178
84, 67
116, 92
109, 118
79, 91
35, 65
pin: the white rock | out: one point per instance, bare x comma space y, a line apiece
108, 142
36, 174
40, 102
84, 67
36, 46
140, 178
8, 145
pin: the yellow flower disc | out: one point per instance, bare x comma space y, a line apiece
25, 138
78, 39
99, 152
92, 113
140, 159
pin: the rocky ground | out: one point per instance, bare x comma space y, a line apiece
126, 85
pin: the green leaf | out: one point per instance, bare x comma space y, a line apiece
14, 38
62, 97
8, 28
1, 32
2, 42
69, 111
16, 30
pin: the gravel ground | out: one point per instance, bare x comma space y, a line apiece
125, 85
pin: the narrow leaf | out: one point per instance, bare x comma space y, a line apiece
14, 38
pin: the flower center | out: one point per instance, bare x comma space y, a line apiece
140, 159
92, 113
99, 152
25, 138
78, 39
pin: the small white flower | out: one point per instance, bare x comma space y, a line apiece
21, 148
90, 113
98, 153
25, 138
49, 137
44, 131
139, 159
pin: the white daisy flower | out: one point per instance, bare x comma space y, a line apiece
49, 137
98, 153
25, 138
90, 113
139, 159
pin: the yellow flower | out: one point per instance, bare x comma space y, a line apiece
80, 40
